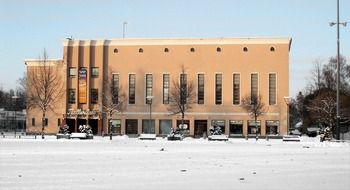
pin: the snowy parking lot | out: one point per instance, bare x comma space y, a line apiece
128, 163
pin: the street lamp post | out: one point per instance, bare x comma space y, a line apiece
338, 66
15, 97
124, 28
149, 101
287, 99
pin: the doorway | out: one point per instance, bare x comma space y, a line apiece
200, 128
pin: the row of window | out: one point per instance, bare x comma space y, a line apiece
165, 126
236, 90
192, 49
72, 72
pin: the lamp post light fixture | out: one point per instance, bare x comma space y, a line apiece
124, 28
15, 97
287, 99
338, 66
149, 101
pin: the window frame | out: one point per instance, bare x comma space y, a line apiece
166, 89
72, 100
216, 89
239, 88
257, 84
199, 87
148, 87
93, 72
132, 89
274, 102
72, 74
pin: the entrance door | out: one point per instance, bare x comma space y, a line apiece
71, 125
94, 125
200, 128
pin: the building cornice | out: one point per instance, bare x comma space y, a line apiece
179, 41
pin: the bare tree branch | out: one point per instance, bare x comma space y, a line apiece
46, 87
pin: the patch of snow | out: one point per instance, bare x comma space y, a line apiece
128, 163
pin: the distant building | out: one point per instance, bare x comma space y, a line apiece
224, 71
12, 120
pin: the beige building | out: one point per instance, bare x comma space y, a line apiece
224, 70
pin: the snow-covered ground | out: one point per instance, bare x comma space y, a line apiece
128, 163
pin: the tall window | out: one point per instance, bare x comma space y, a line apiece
272, 89
71, 95
149, 84
254, 85
183, 88
166, 85
218, 88
200, 88
115, 88
132, 86
236, 89
94, 96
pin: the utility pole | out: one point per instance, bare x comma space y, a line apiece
338, 68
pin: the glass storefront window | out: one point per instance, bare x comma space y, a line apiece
165, 127
220, 123
116, 126
148, 126
251, 127
272, 127
131, 126
236, 127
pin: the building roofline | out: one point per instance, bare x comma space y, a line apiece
178, 41
35, 62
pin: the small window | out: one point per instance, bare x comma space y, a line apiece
33, 121
45, 121
245, 49
192, 50
58, 122
71, 95
272, 48
140, 50
166, 50
94, 96
72, 71
115, 50
94, 72
218, 49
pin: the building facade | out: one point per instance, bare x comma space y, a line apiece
223, 70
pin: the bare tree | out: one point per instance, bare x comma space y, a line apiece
182, 95
255, 107
329, 74
45, 87
316, 75
323, 109
114, 99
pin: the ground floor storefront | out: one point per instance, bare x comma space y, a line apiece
196, 127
